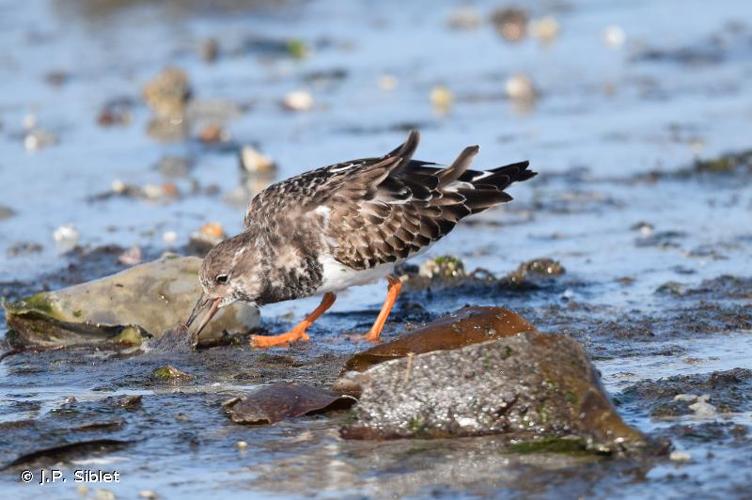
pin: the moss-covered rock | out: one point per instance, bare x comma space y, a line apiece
122, 309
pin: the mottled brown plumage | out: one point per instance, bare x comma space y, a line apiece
346, 224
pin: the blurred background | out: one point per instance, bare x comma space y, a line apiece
131, 128
123, 121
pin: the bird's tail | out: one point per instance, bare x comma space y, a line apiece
481, 189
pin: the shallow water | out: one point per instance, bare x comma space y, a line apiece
605, 117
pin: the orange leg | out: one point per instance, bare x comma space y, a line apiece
391, 297
298, 332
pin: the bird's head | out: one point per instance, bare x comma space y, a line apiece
224, 278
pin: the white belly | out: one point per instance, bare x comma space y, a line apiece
337, 276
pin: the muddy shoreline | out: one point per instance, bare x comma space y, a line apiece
643, 199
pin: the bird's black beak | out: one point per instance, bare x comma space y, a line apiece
204, 303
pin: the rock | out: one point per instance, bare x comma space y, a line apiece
6, 212
702, 408
387, 82
540, 391
297, 48
66, 237
443, 267
252, 161
520, 87
727, 391
299, 100
115, 112
441, 98
38, 138
131, 257
510, 23
209, 50
533, 273
206, 238
276, 402
725, 164
467, 326
213, 133
614, 36
680, 456
168, 93
122, 309
545, 29
169, 373
67, 452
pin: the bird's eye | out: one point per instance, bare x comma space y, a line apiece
221, 279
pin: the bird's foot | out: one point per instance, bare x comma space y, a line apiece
285, 339
371, 337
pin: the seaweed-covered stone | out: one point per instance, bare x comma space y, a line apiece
122, 309
728, 391
531, 273
533, 388
169, 373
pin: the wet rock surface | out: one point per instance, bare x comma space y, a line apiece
532, 387
276, 402
727, 391
124, 309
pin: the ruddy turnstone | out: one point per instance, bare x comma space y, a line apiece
344, 225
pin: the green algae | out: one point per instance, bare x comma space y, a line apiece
563, 445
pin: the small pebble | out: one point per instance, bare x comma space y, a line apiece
255, 162
152, 191
118, 186
170, 190
680, 456
209, 50
66, 236
213, 133
441, 98
212, 230
702, 408
510, 23
6, 212
148, 494
614, 36
388, 82
131, 257
104, 495
168, 93
170, 237
37, 139
299, 100
520, 87
545, 29
685, 397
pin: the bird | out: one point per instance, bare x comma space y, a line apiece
344, 225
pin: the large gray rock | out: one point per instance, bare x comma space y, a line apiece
144, 300
537, 389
